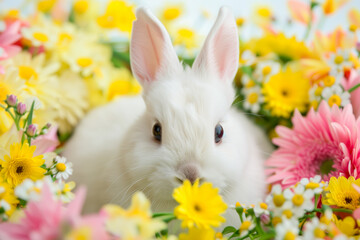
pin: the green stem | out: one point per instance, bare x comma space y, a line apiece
354, 88
342, 210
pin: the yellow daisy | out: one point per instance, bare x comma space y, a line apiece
341, 193
346, 225
286, 91
8, 201
200, 206
21, 164
198, 234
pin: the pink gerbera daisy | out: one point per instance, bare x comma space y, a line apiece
323, 143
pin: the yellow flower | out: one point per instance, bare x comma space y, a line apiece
8, 201
330, 6
123, 83
119, 15
286, 91
45, 5
198, 234
21, 164
200, 206
171, 12
134, 222
346, 225
286, 49
186, 37
81, 6
83, 232
341, 193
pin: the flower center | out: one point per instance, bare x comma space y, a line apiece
278, 200
41, 37
348, 200
245, 225
252, 98
334, 99
318, 91
263, 206
319, 233
338, 59
276, 220
172, 13
65, 38
298, 199
61, 167
312, 185
186, 33
266, 70
19, 169
84, 62
250, 84
197, 208
81, 6
329, 81
288, 213
326, 167
285, 93
289, 236
27, 73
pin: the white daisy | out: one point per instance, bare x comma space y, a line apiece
64, 191
29, 190
261, 208
287, 229
265, 69
247, 82
336, 95
276, 200
314, 229
39, 36
4, 205
61, 168
315, 184
301, 200
253, 99
246, 225
340, 60
247, 58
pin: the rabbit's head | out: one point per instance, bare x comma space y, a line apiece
186, 132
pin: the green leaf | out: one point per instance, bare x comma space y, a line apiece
247, 70
229, 229
29, 119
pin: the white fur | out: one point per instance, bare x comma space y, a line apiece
115, 154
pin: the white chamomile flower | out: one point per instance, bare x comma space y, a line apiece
315, 184
287, 229
38, 36
247, 82
247, 58
4, 205
261, 208
340, 60
61, 168
29, 190
265, 69
253, 99
314, 229
49, 158
246, 225
336, 95
64, 191
301, 200
334, 78
276, 200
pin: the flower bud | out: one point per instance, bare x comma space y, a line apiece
358, 46
11, 100
31, 130
265, 219
48, 125
21, 108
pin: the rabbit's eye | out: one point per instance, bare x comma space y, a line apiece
219, 132
157, 132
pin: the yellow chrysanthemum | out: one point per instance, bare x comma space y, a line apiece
286, 49
135, 222
8, 201
200, 206
286, 91
198, 234
342, 194
346, 225
21, 164
119, 15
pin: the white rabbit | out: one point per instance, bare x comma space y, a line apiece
183, 127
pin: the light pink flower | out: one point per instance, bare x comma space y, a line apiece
8, 38
48, 219
323, 143
46, 143
350, 82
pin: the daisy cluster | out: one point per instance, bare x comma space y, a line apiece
279, 73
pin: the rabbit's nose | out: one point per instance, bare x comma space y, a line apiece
190, 172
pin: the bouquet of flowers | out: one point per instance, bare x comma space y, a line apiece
58, 63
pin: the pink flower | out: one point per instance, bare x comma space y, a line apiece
47, 219
350, 82
46, 143
8, 38
323, 143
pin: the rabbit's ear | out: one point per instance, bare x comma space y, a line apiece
220, 52
151, 50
